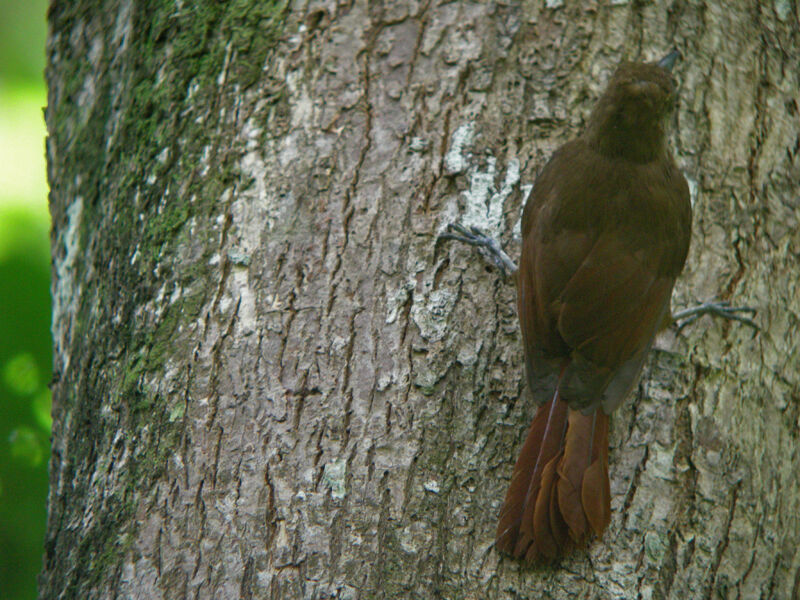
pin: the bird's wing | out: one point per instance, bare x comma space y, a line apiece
596, 302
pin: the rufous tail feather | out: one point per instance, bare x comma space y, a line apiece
559, 492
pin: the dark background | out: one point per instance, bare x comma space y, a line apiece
25, 343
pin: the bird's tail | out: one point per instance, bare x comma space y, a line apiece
559, 492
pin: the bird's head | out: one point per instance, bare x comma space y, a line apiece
629, 117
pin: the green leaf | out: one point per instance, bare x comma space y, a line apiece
25, 446
21, 374
41, 409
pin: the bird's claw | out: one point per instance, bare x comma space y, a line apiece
488, 246
717, 309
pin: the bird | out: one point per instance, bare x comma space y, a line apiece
605, 234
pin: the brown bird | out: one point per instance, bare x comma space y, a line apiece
605, 234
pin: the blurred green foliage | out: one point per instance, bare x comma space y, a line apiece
22, 36
25, 345
24, 398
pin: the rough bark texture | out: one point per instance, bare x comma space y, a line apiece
272, 382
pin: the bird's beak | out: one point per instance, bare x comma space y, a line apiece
669, 60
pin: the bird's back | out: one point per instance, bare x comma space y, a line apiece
603, 240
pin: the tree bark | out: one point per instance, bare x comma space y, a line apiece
271, 380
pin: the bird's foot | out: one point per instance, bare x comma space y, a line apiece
717, 309
489, 247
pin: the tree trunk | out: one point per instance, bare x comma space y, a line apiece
271, 380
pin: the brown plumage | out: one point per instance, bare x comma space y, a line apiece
605, 233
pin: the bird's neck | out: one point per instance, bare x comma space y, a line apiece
638, 140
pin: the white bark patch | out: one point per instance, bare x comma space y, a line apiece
468, 352
288, 151
225, 304
223, 74
66, 293
484, 203
302, 105
431, 486
333, 477
122, 27
782, 9
247, 304
399, 298
204, 161
457, 159
251, 132
254, 209
87, 95
431, 315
